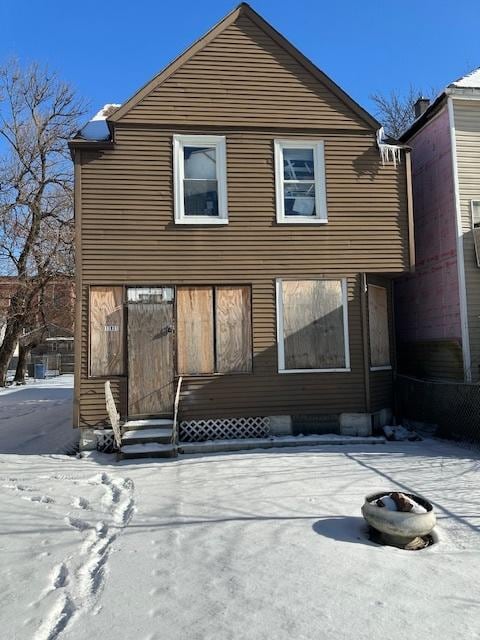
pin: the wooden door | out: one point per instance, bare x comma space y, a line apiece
150, 358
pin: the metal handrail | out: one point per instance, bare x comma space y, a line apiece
175, 412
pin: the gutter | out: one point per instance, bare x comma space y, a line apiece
78, 144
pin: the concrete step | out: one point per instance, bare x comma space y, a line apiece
148, 450
218, 446
140, 436
147, 423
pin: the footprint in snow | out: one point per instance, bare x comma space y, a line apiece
43, 499
59, 576
80, 503
77, 523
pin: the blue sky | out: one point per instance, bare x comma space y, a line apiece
107, 50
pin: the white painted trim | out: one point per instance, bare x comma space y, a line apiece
179, 142
196, 220
281, 371
280, 329
462, 289
463, 93
321, 215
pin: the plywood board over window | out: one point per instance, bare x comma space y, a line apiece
195, 330
378, 327
106, 331
312, 323
233, 329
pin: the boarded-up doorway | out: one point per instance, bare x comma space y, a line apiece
150, 351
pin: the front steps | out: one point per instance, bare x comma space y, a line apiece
152, 439
147, 438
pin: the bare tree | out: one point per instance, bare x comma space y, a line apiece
396, 110
38, 115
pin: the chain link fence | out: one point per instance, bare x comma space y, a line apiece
452, 408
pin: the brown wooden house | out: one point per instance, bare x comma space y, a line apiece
236, 226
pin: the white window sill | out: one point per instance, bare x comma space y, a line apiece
201, 220
387, 367
301, 220
314, 370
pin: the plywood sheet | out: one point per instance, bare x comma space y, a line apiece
313, 324
106, 331
378, 326
150, 358
195, 352
233, 329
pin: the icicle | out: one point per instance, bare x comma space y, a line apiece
388, 152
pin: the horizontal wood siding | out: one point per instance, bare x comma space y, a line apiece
244, 77
245, 87
127, 213
128, 237
467, 130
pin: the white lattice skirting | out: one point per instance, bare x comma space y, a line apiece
105, 440
223, 429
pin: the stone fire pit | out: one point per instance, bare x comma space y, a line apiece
402, 520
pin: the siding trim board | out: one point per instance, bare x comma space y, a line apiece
77, 371
462, 287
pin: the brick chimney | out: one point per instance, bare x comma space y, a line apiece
420, 106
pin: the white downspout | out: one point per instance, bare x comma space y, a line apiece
462, 288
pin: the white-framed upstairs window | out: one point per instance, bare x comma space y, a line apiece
300, 184
200, 179
312, 326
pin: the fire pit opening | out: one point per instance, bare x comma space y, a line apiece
402, 520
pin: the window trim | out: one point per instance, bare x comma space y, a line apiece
321, 215
280, 328
219, 142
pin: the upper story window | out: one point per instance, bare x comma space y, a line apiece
300, 181
200, 179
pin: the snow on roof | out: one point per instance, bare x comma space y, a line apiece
97, 129
469, 81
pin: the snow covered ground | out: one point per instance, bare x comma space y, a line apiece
255, 545
37, 418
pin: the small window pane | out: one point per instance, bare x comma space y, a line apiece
298, 164
299, 199
201, 197
200, 163
476, 213
150, 295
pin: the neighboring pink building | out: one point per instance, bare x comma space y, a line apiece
436, 306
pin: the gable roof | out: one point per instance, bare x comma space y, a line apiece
465, 87
244, 10
469, 81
